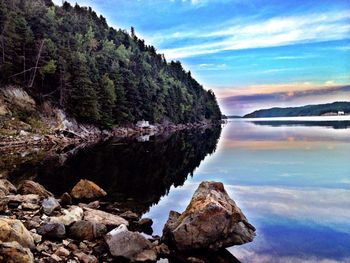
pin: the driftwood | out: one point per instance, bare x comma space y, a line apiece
31, 83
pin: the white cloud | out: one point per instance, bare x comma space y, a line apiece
246, 255
273, 32
314, 204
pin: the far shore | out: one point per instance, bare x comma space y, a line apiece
298, 118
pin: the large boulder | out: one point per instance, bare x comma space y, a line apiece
31, 187
86, 189
107, 219
14, 230
130, 245
211, 221
14, 252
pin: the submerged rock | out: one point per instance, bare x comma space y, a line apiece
130, 245
30, 187
211, 221
49, 205
85, 230
14, 230
98, 216
14, 252
86, 189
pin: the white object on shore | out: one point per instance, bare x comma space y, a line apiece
142, 124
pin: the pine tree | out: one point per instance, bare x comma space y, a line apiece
107, 101
83, 101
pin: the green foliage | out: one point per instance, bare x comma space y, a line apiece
98, 74
48, 68
108, 99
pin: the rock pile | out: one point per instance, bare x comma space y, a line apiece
37, 227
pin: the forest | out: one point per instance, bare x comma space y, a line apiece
69, 56
308, 110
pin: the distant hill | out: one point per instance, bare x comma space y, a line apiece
308, 110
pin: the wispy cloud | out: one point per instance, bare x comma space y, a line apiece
328, 86
288, 201
242, 101
276, 31
294, 57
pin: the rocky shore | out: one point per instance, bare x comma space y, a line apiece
78, 227
24, 124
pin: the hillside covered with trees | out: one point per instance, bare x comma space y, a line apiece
69, 56
308, 110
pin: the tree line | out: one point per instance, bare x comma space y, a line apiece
68, 55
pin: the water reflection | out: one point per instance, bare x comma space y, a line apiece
291, 181
330, 124
135, 174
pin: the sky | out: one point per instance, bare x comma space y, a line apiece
252, 54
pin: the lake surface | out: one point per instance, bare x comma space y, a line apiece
290, 178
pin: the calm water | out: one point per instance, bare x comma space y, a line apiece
291, 179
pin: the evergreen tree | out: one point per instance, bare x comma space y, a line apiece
83, 101
99, 75
107, 101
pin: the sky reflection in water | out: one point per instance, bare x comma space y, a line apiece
293, 184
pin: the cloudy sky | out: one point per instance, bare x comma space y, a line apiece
253, 54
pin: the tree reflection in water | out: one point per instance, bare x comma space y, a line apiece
134, 174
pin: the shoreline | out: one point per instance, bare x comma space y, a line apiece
65, 137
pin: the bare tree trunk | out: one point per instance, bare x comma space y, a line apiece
24, 64
31, 83
61, 85
20, 73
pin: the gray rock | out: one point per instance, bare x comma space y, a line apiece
85, 230
212, 217
49, 205
54, 230
130, 245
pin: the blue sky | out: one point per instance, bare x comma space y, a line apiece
253, 54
